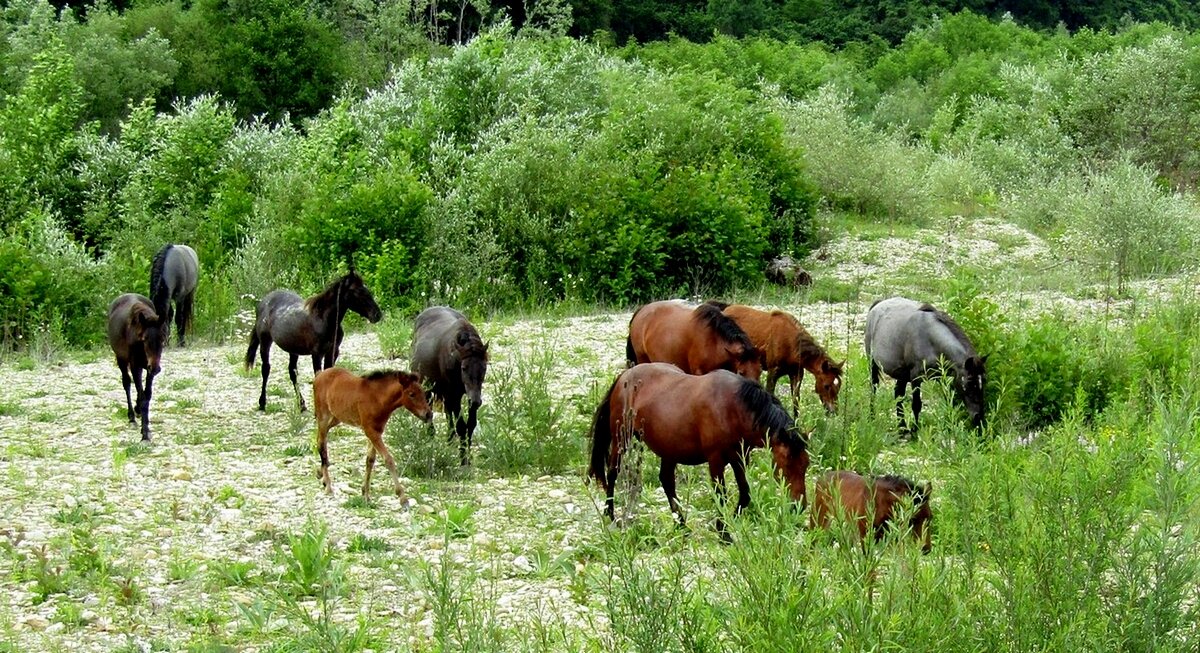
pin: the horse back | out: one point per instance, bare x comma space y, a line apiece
434, 334
677, 415
776, 333
337, 392
841, 493
660, 332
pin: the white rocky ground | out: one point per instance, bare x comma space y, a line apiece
223, 482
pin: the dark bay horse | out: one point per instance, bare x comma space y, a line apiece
448, 352
712, 419
911, 342
788, 350
872, 502
367, 402
699, 339
173, 275
307, 327
136, 334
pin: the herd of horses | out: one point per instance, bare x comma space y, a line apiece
691, 392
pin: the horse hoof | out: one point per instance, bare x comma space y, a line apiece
145, 437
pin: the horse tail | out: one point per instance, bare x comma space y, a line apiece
602, 437
253, 348
630, 354
160, 294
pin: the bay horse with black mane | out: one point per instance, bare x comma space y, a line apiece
872, 503
136, 334
714, 419
788, 350
698, 339
912, 342
340, 397
173, 275
311, 327
448, 352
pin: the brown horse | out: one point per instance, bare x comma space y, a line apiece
699, 339
789, 350
136, 335
366, 402
692, 420
850, 496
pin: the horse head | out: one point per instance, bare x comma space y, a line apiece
472, 355
147, 328
922, 515
413, 396
748, 361
970, 382
358, 297
790, 454
829, 383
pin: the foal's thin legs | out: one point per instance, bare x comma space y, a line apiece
666, 476
125, 381
375, 436
149, 392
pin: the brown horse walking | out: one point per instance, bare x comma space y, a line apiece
692, 420
699, 339
366, 402
136, 335
847, 495
789, 350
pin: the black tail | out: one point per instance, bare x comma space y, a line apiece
602, 437
253, 348
630, 355
160, 294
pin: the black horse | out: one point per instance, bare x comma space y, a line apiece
307, 327
134, 333
173, 276
447, 351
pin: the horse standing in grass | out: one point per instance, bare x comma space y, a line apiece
307, 327
712, 419
448, 352
136, 334
911, 342
872, 502
788, 350
367, 402
699, 339
173, 275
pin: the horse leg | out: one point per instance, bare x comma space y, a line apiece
264, 352
666, 476
716, 469
125, 380
916, 406
141, 397
293, 360
875, 375
739, 475
149, 391
900, 385
183, 316
323, 426
772, 379
366, 488
795, 378
375, 435
472, 420
610, 485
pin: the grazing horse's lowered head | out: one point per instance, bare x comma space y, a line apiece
472, 354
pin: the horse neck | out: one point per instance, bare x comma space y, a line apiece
330, 315
946, 344
809, 353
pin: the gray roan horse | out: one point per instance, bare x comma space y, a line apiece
912, 342
448, 352
307, 327
134, 333
173, 277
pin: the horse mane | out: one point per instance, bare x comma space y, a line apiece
400, 375
719, 304
473, 347
138, 308
159, 293
323, 300
944, 318
904, 485
724, 326
769, 414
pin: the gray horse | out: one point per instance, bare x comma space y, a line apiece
173, 275
912, 342
448, 352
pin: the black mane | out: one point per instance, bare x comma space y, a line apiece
948, 322
769, 414
328, 298
377, 375
159, 293
473, 347
725, 327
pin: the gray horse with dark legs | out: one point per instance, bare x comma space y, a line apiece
173, 276
448, 352
911, 342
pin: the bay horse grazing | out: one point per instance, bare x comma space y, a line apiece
788, 350
448, 352
367, 402
874, 501
912, 342
699, 339
307, 327
684, 419
173, 275
136, 334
